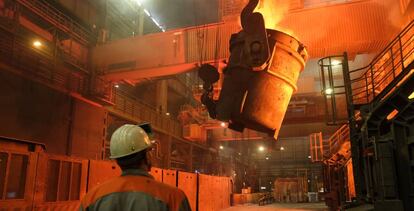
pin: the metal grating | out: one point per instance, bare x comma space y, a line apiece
58, 19
336, 142
138, 111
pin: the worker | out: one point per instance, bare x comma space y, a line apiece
135, 189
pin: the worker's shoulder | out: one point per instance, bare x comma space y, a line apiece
99, 190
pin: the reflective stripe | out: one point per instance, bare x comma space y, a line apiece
128, 201
171, 196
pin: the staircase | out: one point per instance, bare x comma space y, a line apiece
372, 83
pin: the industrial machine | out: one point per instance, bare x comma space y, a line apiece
260, 77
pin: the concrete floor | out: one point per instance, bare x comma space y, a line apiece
293, 207
281, 207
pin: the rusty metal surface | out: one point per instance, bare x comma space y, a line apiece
91, 119
33, 116
205, 195
39, 181
269, 92
187, 182
227, 191
169, 177
214, 193
64, 184
49, 186
100, 171
20, 144
66, 205
156, 173
15, 205
222, 186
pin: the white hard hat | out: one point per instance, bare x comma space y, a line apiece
127, 140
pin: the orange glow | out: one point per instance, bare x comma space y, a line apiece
392, 114
351, 181
37, 44
273, 12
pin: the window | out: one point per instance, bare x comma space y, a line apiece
13, 169
16, 181
64, 180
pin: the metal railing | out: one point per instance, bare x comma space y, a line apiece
335, 142
138, 111
58, 19
384, 72
37, 64
316, 147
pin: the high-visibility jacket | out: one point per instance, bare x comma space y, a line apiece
135, 189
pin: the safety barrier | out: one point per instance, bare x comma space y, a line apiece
31, 179
58, 19
336, 141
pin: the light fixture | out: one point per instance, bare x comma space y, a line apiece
261, 148
309, 157
223, 124
37, 44
282, 148
146, 12
411, 96
267, 158
240, 153
167, 114
392, 114
221, 147
139, 2
116, 86
335, 62
156, 22
328, 91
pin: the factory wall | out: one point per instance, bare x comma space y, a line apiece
34, 112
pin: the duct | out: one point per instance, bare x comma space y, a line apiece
261, 75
